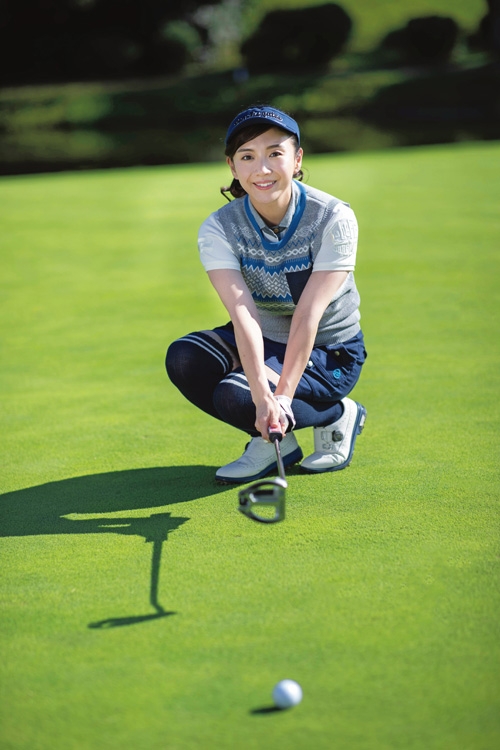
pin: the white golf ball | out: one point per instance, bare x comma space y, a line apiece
287, 693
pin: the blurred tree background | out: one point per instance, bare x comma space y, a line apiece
71, 40
109, 83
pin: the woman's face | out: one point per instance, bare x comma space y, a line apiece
265, 167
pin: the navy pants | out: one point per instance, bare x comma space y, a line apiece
203, 371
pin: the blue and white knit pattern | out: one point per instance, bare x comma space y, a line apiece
264, 264
276, 272
265, 274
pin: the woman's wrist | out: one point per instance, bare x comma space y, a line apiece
263, 399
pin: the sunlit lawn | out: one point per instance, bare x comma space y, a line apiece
139, 608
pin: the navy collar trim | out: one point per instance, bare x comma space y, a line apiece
299, 211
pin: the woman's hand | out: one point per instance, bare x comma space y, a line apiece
268, 415
274, 414
286, 411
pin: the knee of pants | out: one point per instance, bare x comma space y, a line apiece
233, 401
197, 355
176, 360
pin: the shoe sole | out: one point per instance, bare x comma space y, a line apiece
358, 429
292, 458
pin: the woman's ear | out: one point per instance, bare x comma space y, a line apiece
298, 160
230, 164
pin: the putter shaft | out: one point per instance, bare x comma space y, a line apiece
276, 437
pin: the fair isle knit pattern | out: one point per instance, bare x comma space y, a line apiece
277, 272
264, 265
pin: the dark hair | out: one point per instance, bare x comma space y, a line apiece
239, 138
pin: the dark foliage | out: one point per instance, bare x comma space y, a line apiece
440, 107
297, 40
63, 40
487, 36
427, 40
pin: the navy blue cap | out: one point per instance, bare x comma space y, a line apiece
256, 115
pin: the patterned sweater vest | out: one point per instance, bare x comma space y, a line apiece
277, 272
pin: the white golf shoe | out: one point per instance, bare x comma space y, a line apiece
258, 459
334, 444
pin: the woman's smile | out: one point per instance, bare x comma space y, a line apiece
265, 185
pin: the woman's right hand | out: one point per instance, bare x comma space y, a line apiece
270, 417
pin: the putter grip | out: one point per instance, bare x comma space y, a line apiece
275, 436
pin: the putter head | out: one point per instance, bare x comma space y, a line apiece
260, 499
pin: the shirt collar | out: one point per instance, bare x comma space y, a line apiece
270, 233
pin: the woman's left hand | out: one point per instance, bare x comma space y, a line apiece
286, 412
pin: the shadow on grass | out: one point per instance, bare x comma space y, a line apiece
58, 507
154, 529
266, 710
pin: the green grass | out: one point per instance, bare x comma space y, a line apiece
139, 609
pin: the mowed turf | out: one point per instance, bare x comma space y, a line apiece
140, 610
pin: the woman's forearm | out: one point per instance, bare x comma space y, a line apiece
250, 347
300, 343
318, 293
250, 344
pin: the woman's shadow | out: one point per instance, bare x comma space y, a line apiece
58, 507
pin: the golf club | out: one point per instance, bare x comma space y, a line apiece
266, 494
